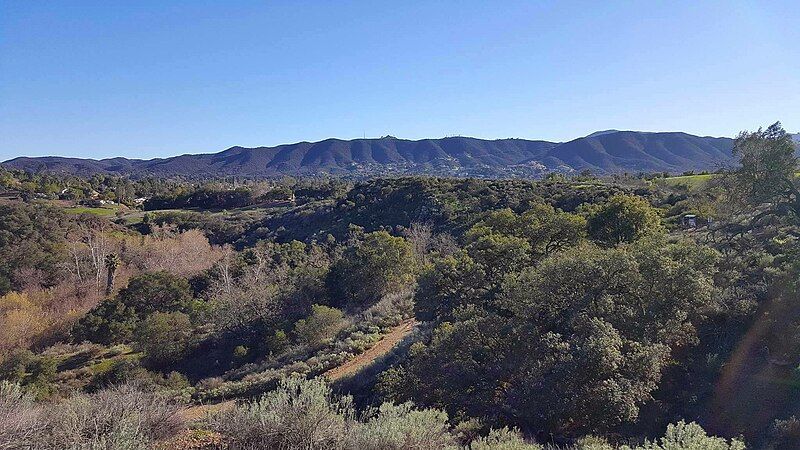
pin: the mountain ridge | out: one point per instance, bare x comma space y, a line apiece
602, 152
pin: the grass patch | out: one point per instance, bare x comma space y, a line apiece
690, 181
98, 211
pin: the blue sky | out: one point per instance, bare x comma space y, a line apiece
158, 78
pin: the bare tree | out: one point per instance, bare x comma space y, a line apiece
420, 235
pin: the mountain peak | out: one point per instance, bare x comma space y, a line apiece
600, 133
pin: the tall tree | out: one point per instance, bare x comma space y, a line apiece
111, 263
767, 174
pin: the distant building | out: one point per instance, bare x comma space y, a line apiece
690, 221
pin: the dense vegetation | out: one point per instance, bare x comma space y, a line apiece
405, 312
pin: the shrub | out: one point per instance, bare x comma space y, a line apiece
14, 366
240, 352
300, 414
592, 443
277, 342
119, 417
502, 439
399, 427
689, 436
323, 323
785, 433
21, 422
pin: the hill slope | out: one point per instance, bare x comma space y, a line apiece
603, 153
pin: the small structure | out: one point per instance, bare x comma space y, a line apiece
690, 221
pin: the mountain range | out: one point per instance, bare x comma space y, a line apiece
602, 153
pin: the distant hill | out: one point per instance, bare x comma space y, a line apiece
604, 152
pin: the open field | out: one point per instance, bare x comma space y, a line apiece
691, 181
97, 211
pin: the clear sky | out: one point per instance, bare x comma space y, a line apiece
158, 78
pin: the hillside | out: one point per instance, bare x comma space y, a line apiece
603, 152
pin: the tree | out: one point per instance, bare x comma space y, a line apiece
373, 267
623, 218
164, 337
451, 282
500, 245
587, 333
157, 291
114, 320
768, 167
111, 263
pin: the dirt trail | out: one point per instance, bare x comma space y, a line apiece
199, 412
385, 345
380, 348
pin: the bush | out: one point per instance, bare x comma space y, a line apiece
502, 439
399, 427
300, 414
323, 323
689, 436
21, 422
304, 414
119, 417
277, 342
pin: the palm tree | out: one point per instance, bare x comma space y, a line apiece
111, 262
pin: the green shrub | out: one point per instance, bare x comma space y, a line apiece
400, 427
14, 366
300, 414
323, 323
592, 443
689, 436
502, 439
277, 342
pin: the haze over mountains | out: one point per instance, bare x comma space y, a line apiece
603, 152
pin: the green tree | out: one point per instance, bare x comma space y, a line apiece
111, 263
587, 333
371, 268
164, 337
623, 218
115, 320
157, 291
449, 283
500, 245
768, 167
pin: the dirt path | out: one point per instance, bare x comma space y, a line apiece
380, 348
199, 412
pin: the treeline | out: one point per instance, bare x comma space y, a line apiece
168, 193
